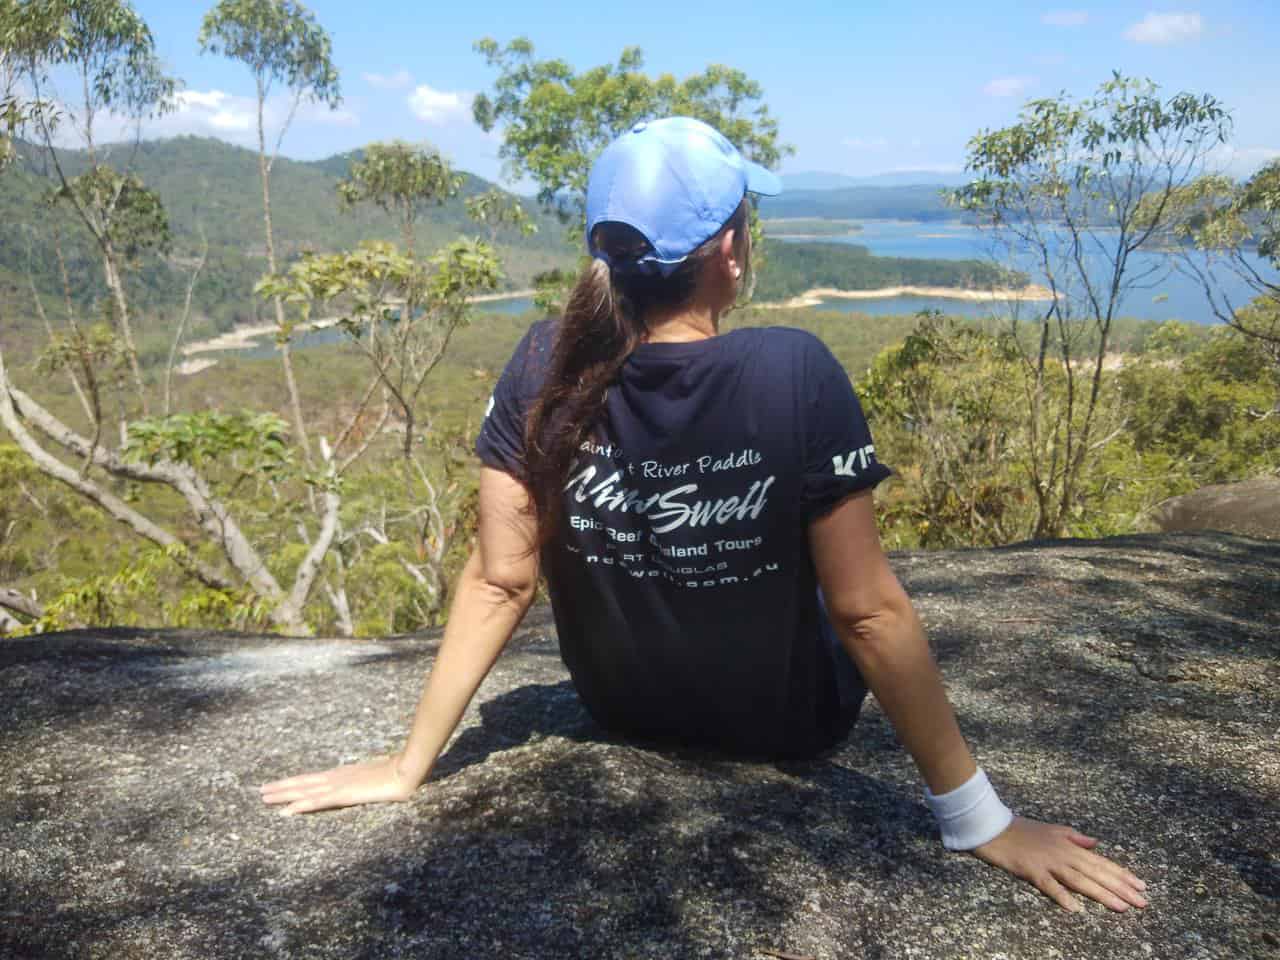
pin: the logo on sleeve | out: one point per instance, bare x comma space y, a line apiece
855, 460
489, 409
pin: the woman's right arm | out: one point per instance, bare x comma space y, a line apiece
492, 595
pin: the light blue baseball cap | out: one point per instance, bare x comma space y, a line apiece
677, 181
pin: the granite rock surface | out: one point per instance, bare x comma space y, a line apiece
1250, 508
1129, 687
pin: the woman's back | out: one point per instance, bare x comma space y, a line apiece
685, 599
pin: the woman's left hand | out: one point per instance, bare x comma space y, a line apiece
1056, 859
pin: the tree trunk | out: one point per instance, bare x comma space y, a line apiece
218, 525
286, 359
116, 285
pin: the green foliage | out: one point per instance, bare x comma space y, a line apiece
128, 597
1063, 152
401, 179
376, 279
809, 227
280, 41
943, 409
107, 43
556, 120
132, 217
793, 268
1212, 411
82, 349
255, 443
44, 528
1227, 220
1078, 187
497, 209
1261, 198
948, 407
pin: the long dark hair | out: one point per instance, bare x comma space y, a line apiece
604, 320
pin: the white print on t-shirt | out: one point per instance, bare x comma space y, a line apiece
489, 409
671, 511
656, 470
862, 456
606, 450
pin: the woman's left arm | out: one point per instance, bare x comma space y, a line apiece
878, 626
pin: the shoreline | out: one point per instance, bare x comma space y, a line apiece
244, 338
815, 296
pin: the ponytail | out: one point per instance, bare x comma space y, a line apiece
603, 322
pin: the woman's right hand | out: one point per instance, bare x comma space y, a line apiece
373, 781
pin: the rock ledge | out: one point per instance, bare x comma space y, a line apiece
1128, 686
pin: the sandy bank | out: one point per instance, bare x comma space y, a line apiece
245, 338
814, 297
509, 295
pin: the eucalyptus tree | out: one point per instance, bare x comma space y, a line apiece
556, 120
402, 179
400, 312
13, 108
496, 210
110, 51
1073, 190
284, 47
1231, 229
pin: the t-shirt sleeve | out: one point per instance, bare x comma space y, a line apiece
500, 443
840, 457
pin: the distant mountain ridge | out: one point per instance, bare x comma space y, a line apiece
822, 180
210, 185
916, 202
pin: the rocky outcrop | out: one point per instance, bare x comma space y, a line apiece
1250, 508
1128, 687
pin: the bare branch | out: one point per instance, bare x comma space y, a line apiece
15, 601
186, 316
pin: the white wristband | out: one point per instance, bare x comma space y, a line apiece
971, 814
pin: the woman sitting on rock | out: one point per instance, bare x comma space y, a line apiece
700, 504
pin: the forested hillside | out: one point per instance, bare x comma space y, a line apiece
792, 268
322, 480
206, 184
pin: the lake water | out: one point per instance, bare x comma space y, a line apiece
1165, 295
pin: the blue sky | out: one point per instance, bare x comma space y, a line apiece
858, 87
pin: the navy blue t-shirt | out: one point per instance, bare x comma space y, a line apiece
684, 596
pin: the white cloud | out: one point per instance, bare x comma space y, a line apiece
389, 81
198, 111
215, 113
866, 143
230, 121
211, 99
1065, 18
438, 107
1163, 29
206, 111
1012, 86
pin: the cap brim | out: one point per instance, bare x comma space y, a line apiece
762, 181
